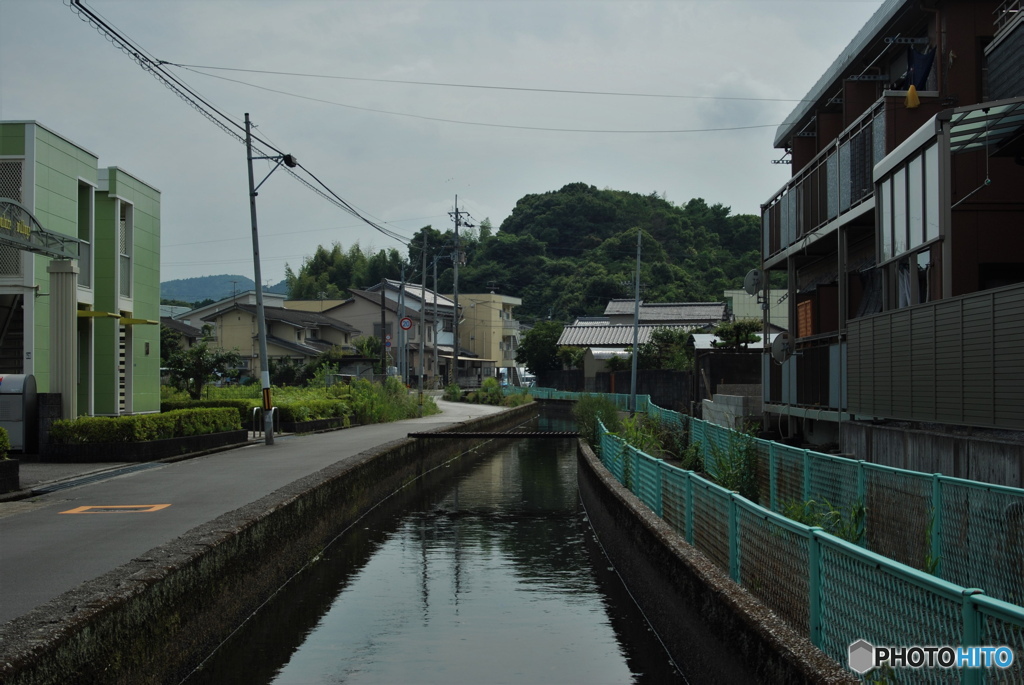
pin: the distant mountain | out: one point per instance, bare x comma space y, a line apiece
212, 287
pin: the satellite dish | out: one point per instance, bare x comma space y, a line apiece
753, 282
782, 347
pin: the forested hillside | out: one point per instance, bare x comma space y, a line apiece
566, 253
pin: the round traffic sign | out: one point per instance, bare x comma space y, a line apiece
388, 337
387, 343
405, 323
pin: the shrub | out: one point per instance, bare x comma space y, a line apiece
144, 427
452, 393
5, 443
588, 409
736, 466
847, 524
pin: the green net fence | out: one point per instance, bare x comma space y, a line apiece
939, 562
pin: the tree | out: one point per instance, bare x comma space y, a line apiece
538, 350
572, 357
738, 334
170, 342
193, 368
666, 350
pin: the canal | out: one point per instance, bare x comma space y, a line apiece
493, 577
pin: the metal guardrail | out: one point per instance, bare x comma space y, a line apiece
257, 420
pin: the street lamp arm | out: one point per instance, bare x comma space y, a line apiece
287, 160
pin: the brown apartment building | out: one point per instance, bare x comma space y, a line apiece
901, 238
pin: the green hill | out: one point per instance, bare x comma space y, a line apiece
211, 288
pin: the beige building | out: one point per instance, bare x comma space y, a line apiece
296, 335
489, 331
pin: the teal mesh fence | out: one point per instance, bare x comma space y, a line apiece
835, 592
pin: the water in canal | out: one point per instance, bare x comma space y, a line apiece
494, 577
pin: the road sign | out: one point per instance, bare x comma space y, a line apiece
405, 323
387, 337
387, 343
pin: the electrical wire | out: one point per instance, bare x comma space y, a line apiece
224, 122
483, 87
480, 123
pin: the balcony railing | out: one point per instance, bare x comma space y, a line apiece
1006, 13
951, 361
836, 180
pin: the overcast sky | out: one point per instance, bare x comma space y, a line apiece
401, 152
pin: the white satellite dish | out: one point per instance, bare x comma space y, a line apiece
782, 347
753, 282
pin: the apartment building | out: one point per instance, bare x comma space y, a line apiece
900, 235
79, 274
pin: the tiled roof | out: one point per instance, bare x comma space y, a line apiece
181, 327
610, 336
689, 312
295, 317
591, 321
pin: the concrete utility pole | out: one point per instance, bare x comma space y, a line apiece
456, 258
261, 320
636, 327
383, 329
423, 323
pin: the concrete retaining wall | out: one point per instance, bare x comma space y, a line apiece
154, 619
714, 629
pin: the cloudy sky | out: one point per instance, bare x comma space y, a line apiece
678, 97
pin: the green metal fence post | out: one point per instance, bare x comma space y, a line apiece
814, 586
773, 475
936, 537
689, 507
862, 495
734, 540
659, 508
971, 636
807, 475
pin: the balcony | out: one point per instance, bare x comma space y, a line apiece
952, 361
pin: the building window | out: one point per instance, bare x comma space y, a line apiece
124, 247
85, 214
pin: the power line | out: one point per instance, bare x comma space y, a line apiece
483, 87
224, 122
477, 123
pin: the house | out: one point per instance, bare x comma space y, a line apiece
291, 334
187, 335
79, 274
900, 237
693, 314
364, 310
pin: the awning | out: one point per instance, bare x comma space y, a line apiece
91, 314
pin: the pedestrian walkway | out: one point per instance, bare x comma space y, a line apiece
92, 518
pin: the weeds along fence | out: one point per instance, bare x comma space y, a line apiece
969, 536
831, 590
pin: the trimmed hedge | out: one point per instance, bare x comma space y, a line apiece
243, 407
297, 412
5, 443
144, 427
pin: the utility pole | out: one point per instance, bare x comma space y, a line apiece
437, 379
423, 322
456, 258
636, 327
261, 320
383, 329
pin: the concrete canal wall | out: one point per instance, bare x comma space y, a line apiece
154, 619
715, 630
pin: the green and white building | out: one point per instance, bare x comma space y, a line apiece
79, 274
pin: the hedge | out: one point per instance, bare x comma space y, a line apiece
303, 410
144, 427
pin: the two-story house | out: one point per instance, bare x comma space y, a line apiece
79, 274
297, 335
900, 237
